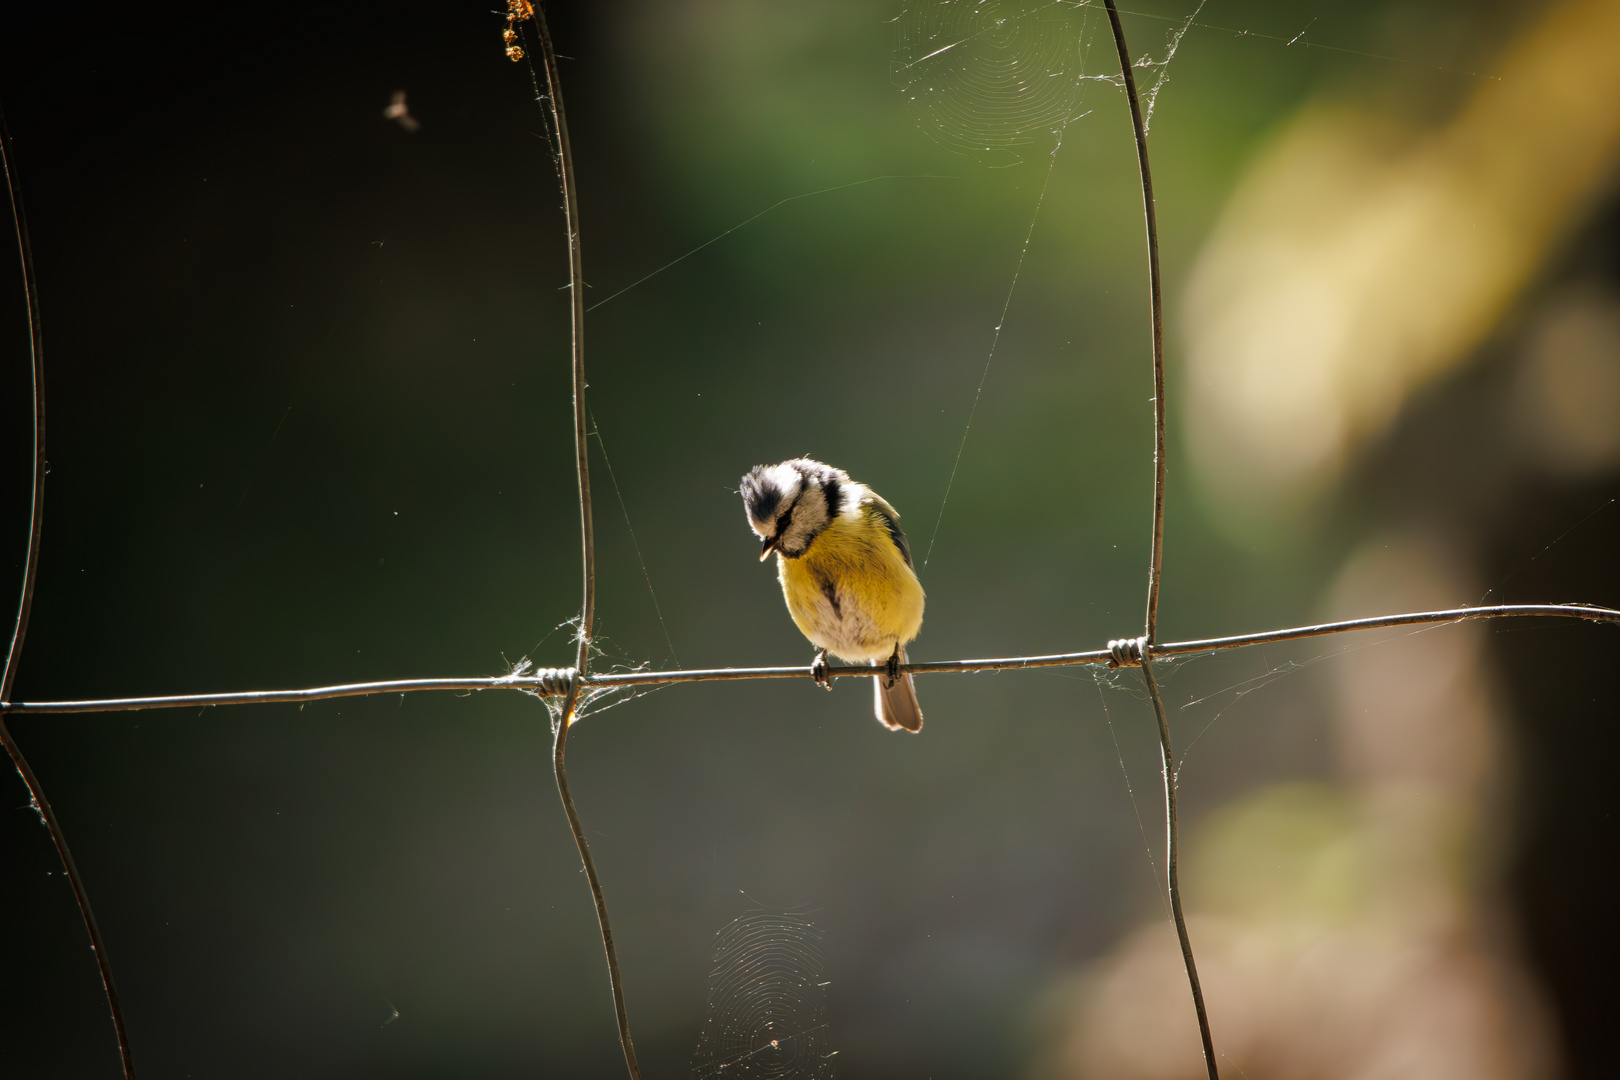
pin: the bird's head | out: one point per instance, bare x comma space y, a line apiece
791, 503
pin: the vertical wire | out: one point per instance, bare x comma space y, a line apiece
1171, 858
1156, 558
36, 351
25, 605
576, 276
564, 151
559, 750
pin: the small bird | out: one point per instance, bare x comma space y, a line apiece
845, 570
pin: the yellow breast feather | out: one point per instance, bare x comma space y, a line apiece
854, 592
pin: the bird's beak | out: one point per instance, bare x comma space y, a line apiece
769, 546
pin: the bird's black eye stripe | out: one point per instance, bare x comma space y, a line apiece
787, 515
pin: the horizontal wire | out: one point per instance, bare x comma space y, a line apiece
547, 684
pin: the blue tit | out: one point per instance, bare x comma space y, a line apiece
845, 570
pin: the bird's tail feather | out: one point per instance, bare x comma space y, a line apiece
896, 706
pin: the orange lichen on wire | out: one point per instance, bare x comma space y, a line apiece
516, 11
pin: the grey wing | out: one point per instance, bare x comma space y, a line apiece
891, 521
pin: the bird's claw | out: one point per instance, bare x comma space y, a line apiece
818, 670
894, 666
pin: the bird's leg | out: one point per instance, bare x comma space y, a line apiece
894, 664
818, 670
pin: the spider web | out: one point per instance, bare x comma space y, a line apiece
991, 76
767, 1003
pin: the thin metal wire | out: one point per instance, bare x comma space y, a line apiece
1156, 306
1172, 852
25, 604
564, 155
1156, 553
36, 351
544, 686
570, 684
561, 727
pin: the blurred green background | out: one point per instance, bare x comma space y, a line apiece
309, 423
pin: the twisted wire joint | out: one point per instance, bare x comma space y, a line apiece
543, 682
1127, 652
556, 682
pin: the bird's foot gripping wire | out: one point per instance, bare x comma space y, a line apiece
818, 670
1126, 652
893, 667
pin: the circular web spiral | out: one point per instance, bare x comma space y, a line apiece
992, 75
767, 1004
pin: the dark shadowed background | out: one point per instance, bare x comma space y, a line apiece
309, 423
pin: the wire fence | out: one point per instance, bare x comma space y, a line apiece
566, 689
